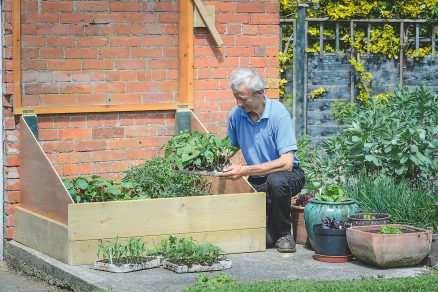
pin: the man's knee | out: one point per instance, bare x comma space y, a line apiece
277, 185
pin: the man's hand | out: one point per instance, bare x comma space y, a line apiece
234, 172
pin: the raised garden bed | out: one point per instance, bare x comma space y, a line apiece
233, 218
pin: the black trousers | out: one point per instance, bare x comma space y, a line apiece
280, 187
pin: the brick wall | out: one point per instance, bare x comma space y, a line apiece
123, 52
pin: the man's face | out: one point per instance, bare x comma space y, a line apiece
248, 101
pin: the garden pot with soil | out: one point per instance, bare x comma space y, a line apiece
297, 215
405, 246
367, 219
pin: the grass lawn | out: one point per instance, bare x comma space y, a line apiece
224, 282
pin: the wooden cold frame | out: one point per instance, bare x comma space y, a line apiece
234, 217
185, 84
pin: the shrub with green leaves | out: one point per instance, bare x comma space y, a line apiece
398, 138
185, 251
331, 193
403, 200
84, 189
156, 179
199, 151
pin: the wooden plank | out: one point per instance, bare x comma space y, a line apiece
16, 52
42, 191
197, 19
207, 20
167, 216
185, 51
42, 234
102, 108
231, 241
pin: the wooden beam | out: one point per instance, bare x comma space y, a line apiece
102, 108
203, 11
185, 52
16, 52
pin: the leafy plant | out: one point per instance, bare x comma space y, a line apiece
97, 189
331, 193
303, 199
198, 151
327, 223
187, 252
132, 250
398, 138
156, 179
204, 281
388, 229
368, 217
403, 200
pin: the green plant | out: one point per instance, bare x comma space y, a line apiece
186, 251
403, 200
97, 189
317, 93
387, 229
398, 138
132, 250
206, 281
331, 193
368, 217
155, 178
199, 151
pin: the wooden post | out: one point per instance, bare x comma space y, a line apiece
186, 52
299, 72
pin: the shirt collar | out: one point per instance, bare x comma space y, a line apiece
266, 111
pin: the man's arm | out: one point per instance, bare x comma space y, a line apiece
284, 163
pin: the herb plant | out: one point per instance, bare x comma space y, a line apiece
387, 229
187, 252
156, 179
133, 250
368, 217
332, 193
198, 151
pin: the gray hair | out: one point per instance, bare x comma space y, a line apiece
246, 77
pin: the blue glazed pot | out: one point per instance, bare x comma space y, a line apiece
316, 210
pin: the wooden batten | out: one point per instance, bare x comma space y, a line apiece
42, 190
166, 216
42, 233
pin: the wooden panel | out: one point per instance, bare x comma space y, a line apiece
42, 189
42, 234
167, 216
208, 21
233, 241
16, 52
185, 50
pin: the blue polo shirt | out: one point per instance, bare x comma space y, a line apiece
266, 140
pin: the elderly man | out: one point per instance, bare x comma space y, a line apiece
262, 129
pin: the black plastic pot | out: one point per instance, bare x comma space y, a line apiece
358, 220
330, 242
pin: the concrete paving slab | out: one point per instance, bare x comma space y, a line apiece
267, 265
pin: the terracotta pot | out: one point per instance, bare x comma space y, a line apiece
358, 220
298, 226
389, 250
332, 259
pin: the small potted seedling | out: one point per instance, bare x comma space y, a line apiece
365, 219
330, 240
124, 256
184, 255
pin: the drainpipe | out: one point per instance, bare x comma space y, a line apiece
1, 134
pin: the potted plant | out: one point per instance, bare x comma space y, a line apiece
297, 214
331, 202
330, 241
184, 255
366, 219
124, 256
389, 246
197, 152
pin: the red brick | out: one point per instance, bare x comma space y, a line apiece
114, 52
75, 157
110, 87
124, 143
91, 6
59, 146
250, 8
64, 65
126, 98
92, 145
115, 132
12, 197
69, 170
265, 19
141, 153
57, 6
76, 134
13, 185
9, 233
93, 41
12, 160
98, 64
108, 155
82, 53
86, 169
125, 6
130, 64
108, 18
48, 134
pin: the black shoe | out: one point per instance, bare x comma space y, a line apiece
286, 244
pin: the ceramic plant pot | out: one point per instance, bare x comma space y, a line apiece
316, 210
298, 226
358, 219
330, 242
408, 248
